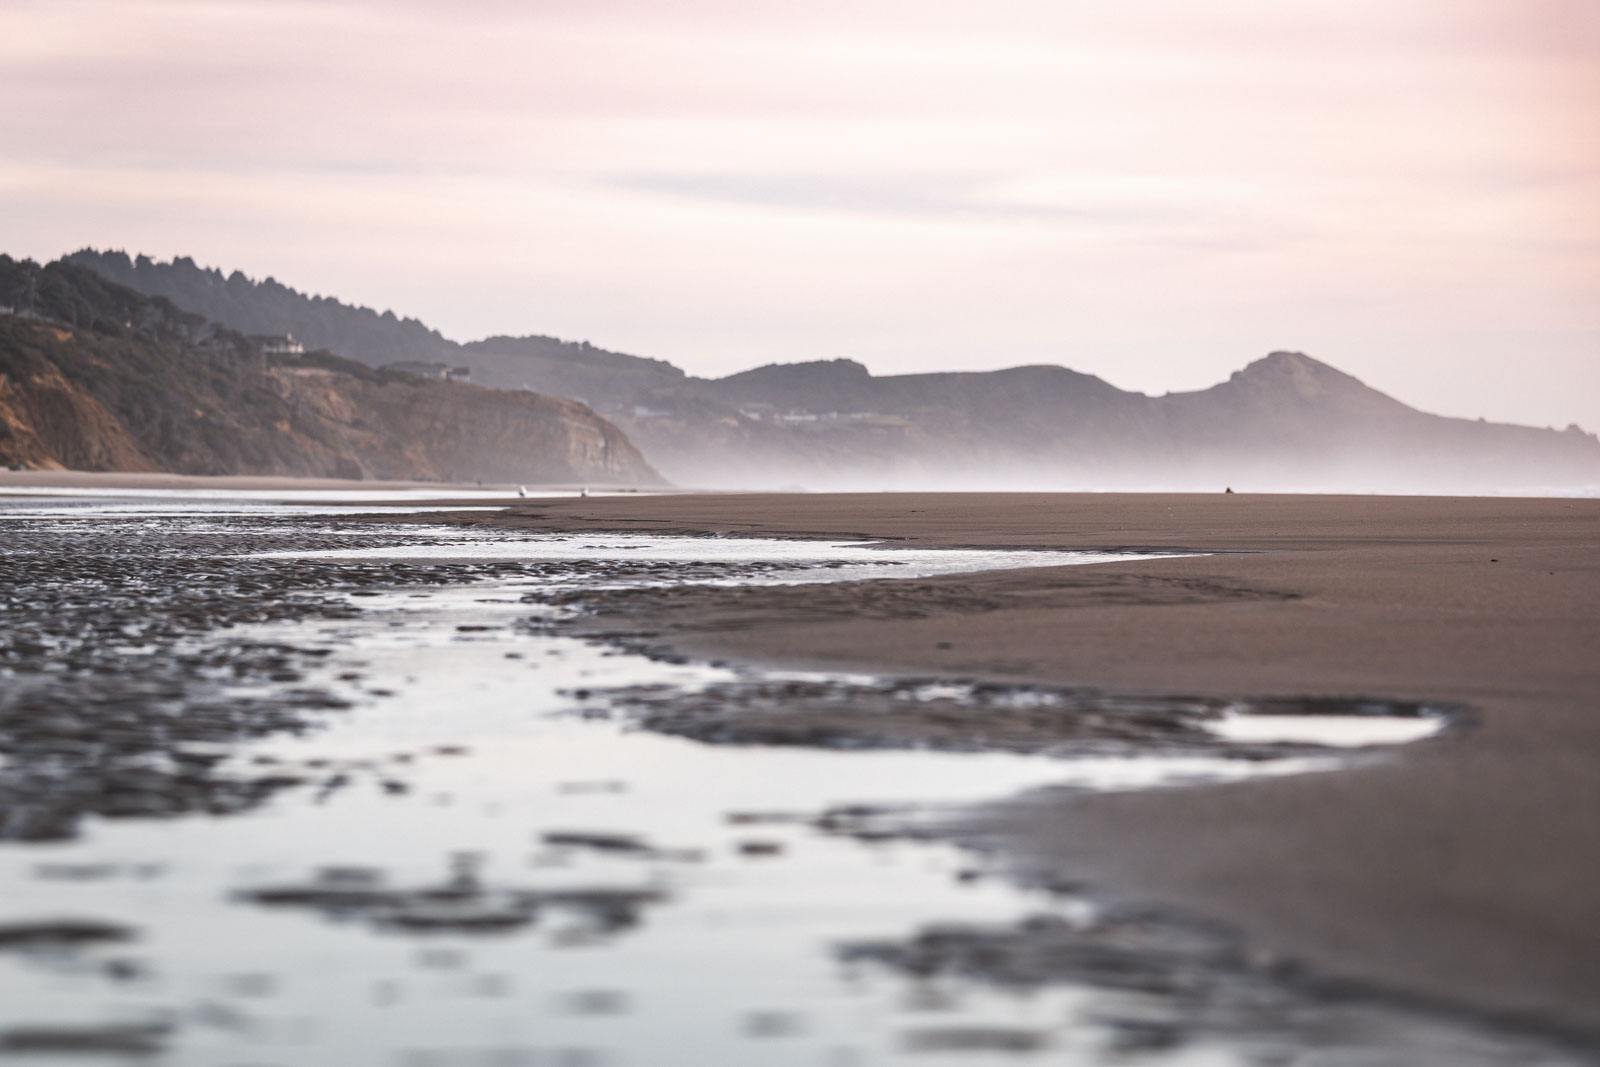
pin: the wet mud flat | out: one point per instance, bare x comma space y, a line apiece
517, 845
953, 711
118, 682
118, 674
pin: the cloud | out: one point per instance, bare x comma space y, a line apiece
933, 196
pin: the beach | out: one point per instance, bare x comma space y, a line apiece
1241, 776
1460, 870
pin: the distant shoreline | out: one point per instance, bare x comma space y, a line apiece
155, 480
143, 480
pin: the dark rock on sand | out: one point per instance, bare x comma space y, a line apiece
1162, 979
136, 1039
463, 903
965, 715
598, 841
61, 933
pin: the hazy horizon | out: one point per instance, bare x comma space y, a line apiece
1153, 194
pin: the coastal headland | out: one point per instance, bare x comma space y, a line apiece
1462, 869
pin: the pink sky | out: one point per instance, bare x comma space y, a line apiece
1155, 192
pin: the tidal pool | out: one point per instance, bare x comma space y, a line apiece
486, 863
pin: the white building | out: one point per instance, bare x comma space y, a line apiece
281, 346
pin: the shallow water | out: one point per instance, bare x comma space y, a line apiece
1341, 731
781, 560
43, 502
653, 900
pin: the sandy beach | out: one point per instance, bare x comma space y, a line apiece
1461, 869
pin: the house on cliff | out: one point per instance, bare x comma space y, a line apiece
438, 371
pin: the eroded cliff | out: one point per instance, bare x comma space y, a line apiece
100, 378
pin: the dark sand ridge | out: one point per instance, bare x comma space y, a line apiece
1466, 868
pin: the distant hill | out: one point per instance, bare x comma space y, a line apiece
96, 376
268, 307
1285, 422
547, 365
567, 368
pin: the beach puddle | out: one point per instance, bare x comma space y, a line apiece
1335, 724
500, 844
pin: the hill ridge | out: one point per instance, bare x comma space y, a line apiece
1283, 421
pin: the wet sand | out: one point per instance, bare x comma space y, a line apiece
142, 480
1463, 869
156, 480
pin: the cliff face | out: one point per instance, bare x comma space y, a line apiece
396, 427
46, 421
142, 387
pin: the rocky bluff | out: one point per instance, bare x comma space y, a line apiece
95, 376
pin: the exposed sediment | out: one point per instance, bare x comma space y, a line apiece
1460, 868
966, 716
121, 683
1164, 981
